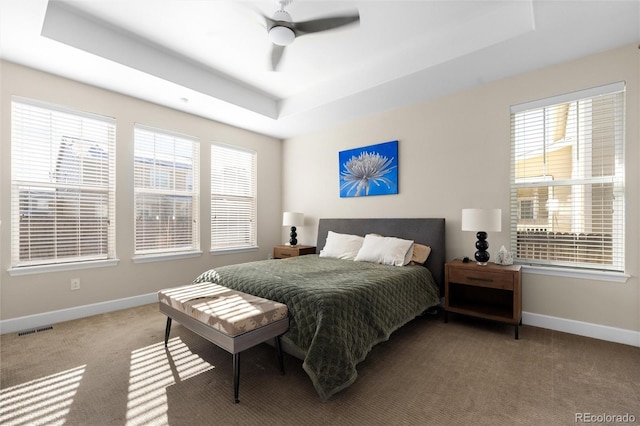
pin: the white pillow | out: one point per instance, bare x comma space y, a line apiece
409, 254
385, 250
341, 246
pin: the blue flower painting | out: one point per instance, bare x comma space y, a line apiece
370, 170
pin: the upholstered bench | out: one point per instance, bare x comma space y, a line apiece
231, 320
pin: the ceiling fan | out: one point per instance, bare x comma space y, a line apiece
283, 30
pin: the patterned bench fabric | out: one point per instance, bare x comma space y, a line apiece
229, 311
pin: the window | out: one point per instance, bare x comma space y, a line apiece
567, 186
62, 185
166, 192
233, 198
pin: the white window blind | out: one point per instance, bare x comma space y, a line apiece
166, 192
62, 185
567, 186
233, 198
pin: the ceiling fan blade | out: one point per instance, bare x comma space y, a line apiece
324, 24
269, 22
276, 56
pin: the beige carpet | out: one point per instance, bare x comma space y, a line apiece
113, 369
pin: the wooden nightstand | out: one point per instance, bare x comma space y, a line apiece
492, 292
282, 252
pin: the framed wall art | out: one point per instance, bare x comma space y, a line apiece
369, 170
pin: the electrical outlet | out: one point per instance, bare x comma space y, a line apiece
75, 284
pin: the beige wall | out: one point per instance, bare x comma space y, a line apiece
40, 293
454, 153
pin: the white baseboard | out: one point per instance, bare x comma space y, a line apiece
47, 318
596, 331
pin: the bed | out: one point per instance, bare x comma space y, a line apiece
339, 309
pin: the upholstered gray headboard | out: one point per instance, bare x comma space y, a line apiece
428, 231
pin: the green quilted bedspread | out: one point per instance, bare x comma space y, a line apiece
338, 309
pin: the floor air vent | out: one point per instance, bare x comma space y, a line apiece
34, 330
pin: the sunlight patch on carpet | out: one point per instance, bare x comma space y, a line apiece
152, 370
42, 401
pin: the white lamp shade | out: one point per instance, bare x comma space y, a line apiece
292, 219
486, 220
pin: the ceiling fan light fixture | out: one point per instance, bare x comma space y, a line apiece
282, 36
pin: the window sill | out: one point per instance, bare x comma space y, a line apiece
166, 256
610, 276
43, 269
233, 250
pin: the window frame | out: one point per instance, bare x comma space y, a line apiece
250, 199
81, 131
616, 271
160, 179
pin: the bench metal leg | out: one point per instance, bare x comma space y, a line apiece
236, 377
225, 341
167, 331
279, 351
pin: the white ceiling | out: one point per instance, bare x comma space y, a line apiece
211, 57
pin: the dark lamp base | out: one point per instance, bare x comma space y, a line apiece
482, 255
293, 241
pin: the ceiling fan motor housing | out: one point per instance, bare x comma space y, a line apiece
281, 32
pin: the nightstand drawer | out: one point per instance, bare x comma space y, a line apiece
284, 252
481, 278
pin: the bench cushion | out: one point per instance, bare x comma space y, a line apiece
228, 311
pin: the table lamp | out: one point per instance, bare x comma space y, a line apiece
481, 221
292, 219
